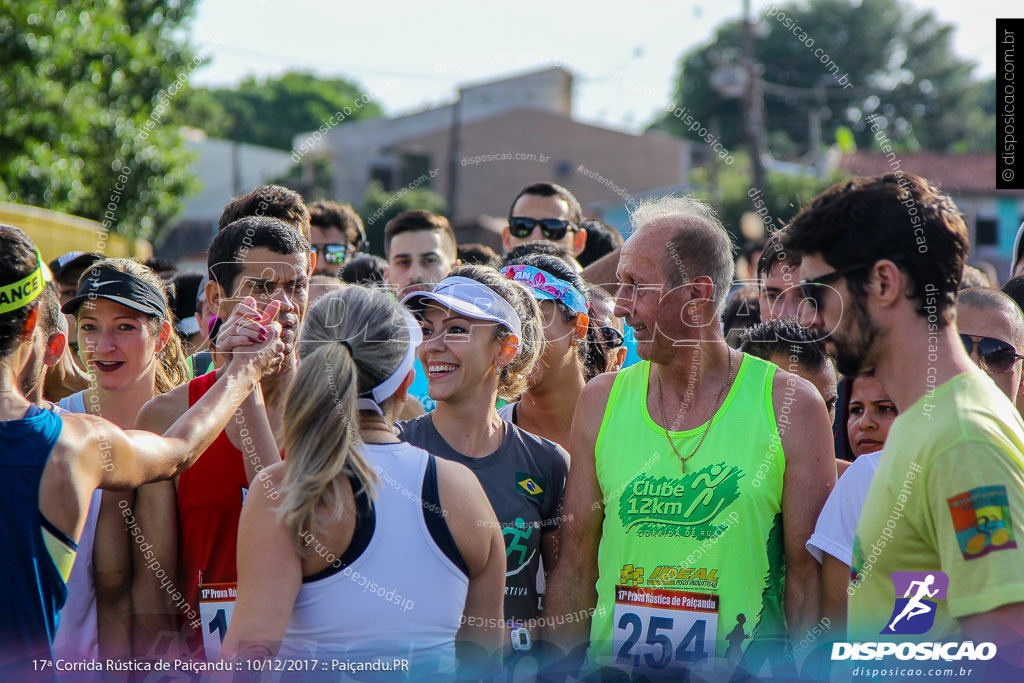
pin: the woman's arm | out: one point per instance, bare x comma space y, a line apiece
269, 577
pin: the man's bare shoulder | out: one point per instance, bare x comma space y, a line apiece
162, 411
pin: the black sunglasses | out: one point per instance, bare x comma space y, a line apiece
812, 289
611, 337
551, 228
994, 355
334, 254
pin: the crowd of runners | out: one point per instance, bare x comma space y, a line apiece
581, 456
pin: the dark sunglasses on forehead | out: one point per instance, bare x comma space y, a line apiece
994, 355
332, 253
551, 228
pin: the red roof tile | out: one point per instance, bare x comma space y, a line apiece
972, 173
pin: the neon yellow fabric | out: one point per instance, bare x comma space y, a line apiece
714, 529
948, 496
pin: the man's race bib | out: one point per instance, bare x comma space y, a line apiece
216, 605
659, 632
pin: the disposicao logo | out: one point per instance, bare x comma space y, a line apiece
913, 613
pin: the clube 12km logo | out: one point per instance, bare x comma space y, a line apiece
917, 598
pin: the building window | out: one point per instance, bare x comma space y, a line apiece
415, 170
382, 174
987, 232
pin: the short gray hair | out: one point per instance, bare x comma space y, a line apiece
987, 299
700, 246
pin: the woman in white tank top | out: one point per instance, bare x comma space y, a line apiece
359, 548
132, 353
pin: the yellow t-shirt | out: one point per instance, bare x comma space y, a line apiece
946, 503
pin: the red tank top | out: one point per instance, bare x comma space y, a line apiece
210, 495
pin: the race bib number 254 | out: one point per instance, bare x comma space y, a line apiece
659, 631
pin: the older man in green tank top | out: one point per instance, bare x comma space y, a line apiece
697, 476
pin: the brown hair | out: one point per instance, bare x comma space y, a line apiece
417, 220
272, 201
329, 215
896, 216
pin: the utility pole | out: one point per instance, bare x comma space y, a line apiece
453, 155
753, 102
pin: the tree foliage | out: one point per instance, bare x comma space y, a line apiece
85, 86
783, 197
899, 63
272, 111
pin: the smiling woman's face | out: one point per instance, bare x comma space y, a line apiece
458, 353
115, 344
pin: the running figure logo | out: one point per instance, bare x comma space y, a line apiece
914, 613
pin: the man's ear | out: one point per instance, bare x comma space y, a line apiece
579, 241
215, 298
887, 282
55, 346
312, 262
506, 240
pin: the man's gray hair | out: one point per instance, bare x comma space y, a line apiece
700, 245
987, 299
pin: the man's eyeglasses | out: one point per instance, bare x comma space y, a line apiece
812, 289
551, 228
611, 337
335, 254
994, 355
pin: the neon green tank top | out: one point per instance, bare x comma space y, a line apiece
691, 563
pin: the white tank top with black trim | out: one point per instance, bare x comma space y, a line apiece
399, 590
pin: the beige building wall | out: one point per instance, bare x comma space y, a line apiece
500, 155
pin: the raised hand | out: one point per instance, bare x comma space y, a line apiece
251, 337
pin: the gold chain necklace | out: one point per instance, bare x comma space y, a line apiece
664, 418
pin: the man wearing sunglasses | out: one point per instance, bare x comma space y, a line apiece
882, 260
992, 330
545, 211
336, 235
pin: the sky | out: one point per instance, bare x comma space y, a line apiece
411, 55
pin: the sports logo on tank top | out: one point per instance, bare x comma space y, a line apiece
680, 506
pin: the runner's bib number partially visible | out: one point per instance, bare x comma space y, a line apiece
216, 605
661, 631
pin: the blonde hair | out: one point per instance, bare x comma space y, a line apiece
512, 378
172, 370
352, 340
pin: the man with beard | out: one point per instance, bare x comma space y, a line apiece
882, 260
268, 260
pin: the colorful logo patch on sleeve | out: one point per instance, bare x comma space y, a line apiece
981, 520
531, 486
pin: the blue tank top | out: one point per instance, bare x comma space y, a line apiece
32, 589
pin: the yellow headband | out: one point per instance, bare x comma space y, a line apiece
25, 291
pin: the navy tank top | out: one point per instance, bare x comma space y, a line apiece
32, 588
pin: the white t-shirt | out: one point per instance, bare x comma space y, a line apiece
837, 524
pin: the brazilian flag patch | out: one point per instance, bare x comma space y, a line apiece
530, 485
